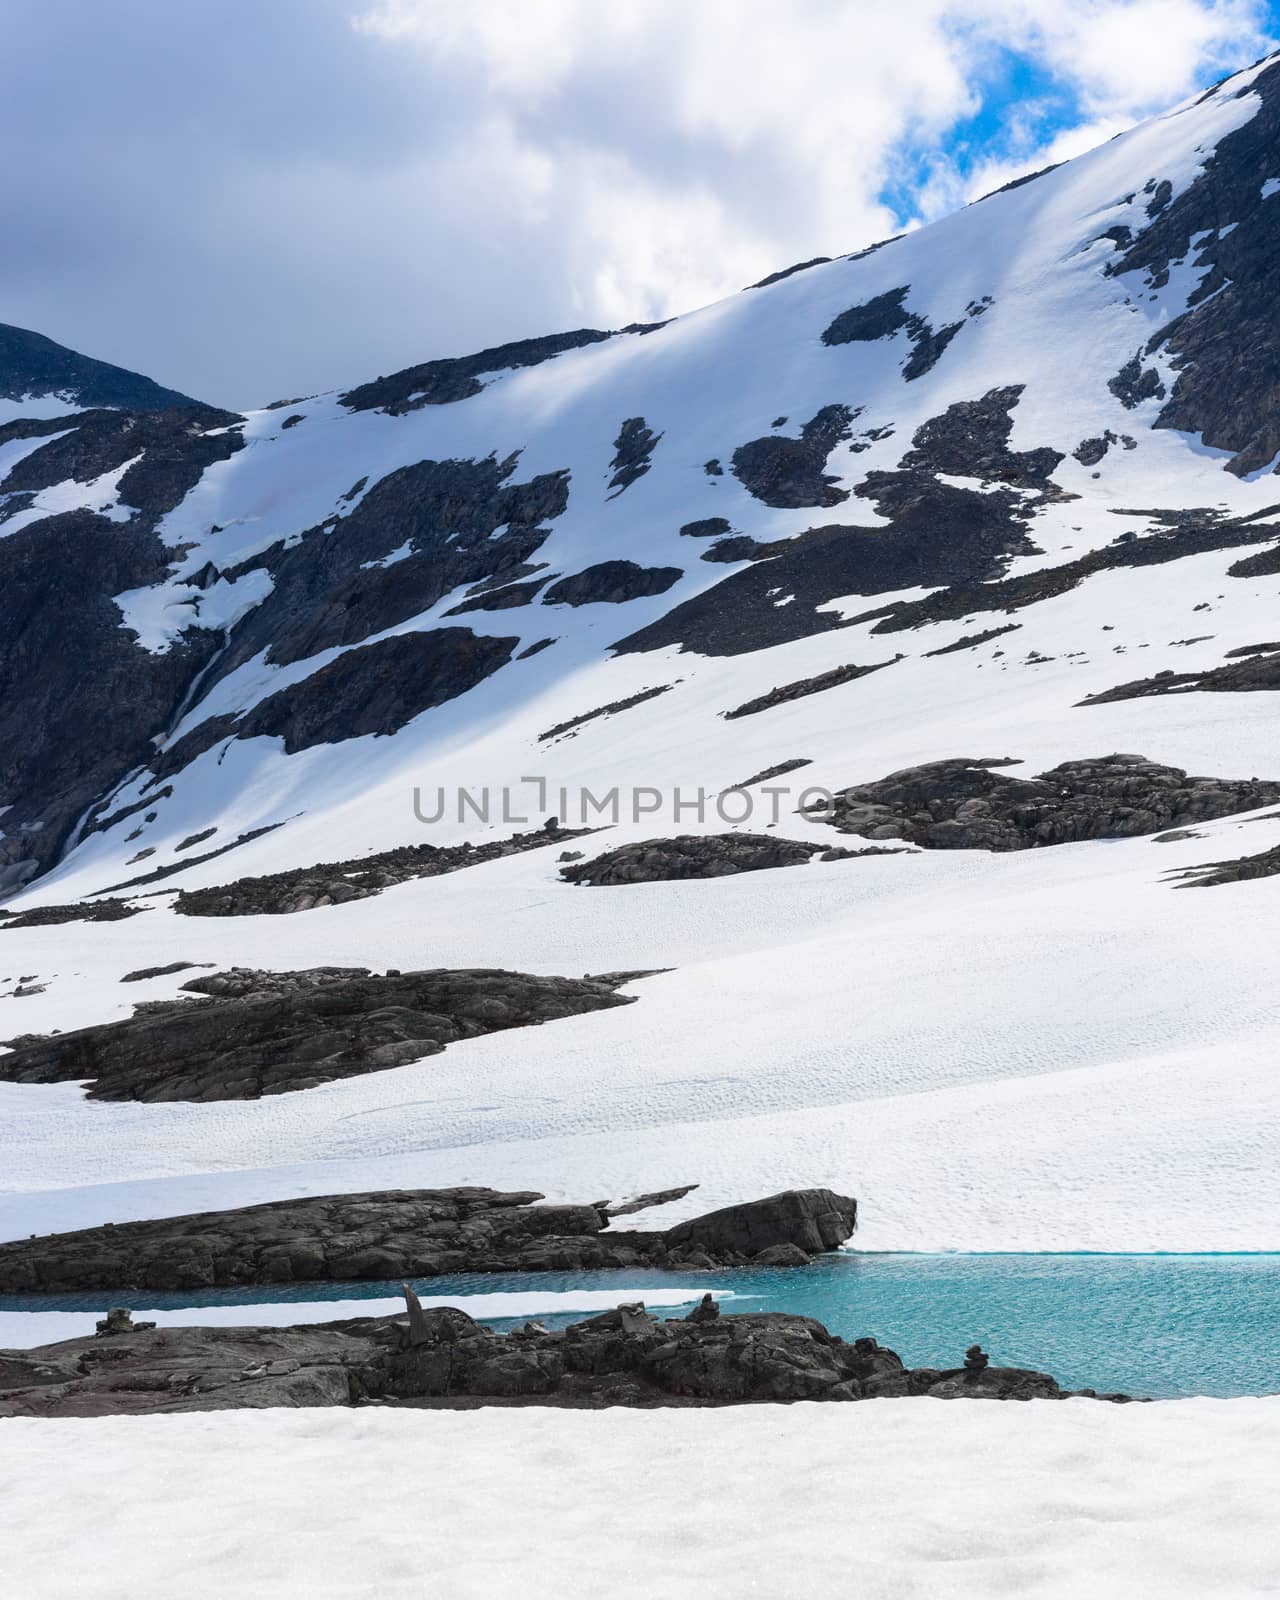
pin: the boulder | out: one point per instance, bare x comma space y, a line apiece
811, 1219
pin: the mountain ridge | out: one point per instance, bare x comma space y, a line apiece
996, 493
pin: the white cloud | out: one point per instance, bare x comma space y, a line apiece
304, 194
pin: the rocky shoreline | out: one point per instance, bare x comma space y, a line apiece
441, 1358
418, 1233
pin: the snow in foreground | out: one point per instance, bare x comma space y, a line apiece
890, 1498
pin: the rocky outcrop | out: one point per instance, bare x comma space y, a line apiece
1259, 670
442, 1358
805, 686
707, 528
375, 688
451, 525
969, 804
56, 916
971, 641
785, 593
886, 315
1089, 452
632, 454
703, 855
258, 1033
80, 702
778, 770
1173, 537
440, 383
1266, 864
393, 1234
611, 583
788, 472
1225, 347
812, 1220
163, 453
711, 855
570, 724
331, 883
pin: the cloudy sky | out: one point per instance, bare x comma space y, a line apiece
255, 199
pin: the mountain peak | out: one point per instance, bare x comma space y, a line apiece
33, 366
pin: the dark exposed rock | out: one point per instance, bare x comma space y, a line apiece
606, 710
141, 974
1186, 534
405, 1233
1226, 345
886, 315
611, 583
99, 821
874, 319
983, 529
120, 1320
969, 439
1161, 193
159, 874
1236, 677
168, 451
1135, 383
787, 272
1266, 564
688, 856
55, 916
930, 343
374, 688
632, 453
791, 472
195, 838
1266, 864
831, 679
1017, 183
741, 547
1090, 451
706, 1310
438, 383
708, 528
970, 641
970, 805
189, 1369
812, 1219
336, 882
535, 649
442, 1358
271, 1033
505, 598
30, 364
644, 1202
465, 522
778, 771
79, 700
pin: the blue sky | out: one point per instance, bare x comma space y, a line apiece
1010, 85
252, 201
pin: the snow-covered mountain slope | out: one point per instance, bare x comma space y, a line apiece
1013, 462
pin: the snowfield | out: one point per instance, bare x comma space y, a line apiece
1049, 1050
887, 1499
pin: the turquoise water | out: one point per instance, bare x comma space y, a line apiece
1163, 1326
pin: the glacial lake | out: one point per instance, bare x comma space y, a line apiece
1165, 1326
